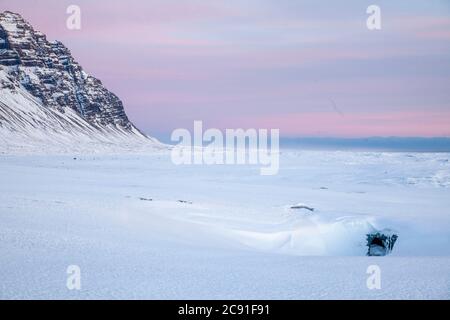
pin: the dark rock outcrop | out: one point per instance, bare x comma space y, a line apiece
381, 243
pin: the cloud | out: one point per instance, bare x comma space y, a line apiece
173, 61
427, 124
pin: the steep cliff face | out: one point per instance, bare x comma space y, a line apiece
44, 89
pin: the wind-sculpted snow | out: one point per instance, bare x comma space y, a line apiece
140, 227
49, 104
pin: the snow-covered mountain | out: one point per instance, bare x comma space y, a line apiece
48, 101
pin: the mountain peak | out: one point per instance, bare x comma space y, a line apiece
10, 14
12, 21
33, 67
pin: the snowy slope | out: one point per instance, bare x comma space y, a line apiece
28, 127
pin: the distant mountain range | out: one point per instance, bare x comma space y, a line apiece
400, 144
48, 101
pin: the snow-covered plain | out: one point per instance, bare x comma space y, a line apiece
140, 227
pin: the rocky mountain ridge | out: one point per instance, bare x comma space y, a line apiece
44, 90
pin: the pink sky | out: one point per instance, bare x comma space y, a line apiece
305, 68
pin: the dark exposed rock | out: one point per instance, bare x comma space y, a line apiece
302, 206
185, 201
381, 243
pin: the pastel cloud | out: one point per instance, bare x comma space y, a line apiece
403, 124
